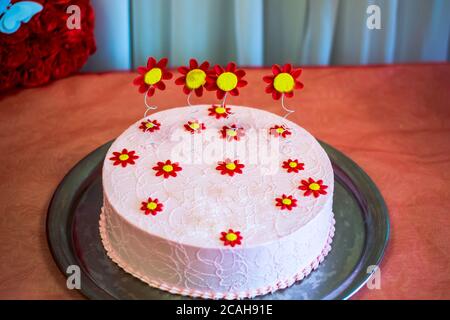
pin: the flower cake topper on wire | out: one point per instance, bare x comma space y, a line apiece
193, 77
225, 80
151, 78
282, 83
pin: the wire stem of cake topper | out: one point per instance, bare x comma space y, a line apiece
288, 111
147, 106
189, 99
224, 99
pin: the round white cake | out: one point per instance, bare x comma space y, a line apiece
217, 202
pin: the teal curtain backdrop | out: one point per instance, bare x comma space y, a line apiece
263, 32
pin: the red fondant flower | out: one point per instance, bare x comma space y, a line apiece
230, 167
283, 81
226, 80
232, 132
167, 169
194, 126
293, 165
231, 238
124, 158
193, 77
151, 206
149, 125
219, 111
152, 76
286, 202
315, 188
278, 131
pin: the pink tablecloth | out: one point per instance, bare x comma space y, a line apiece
393, 121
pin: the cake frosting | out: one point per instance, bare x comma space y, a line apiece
217, 202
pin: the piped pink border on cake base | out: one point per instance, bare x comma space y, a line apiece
217, 295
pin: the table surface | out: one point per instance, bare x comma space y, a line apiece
394, 121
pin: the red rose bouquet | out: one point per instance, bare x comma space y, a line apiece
46, 47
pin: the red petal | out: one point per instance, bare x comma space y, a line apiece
276, 69
289, 94
143, 88
268, 79
193, 64
218, 69
287, 68
138, 81
181, 80
162, 63
239, 73
220, 94
142, 70
234, 92
298, 85
296, 73
151, 62
241, 83
231, 67
183, 70
160, 85
167, 75
151, 91
276, 95
204, 66
186, 90
199, 91
269, 88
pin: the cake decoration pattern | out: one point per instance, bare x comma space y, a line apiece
219, 111
316, 188
230, 167
293, 165
151, 206
283, 81
279, 131
150, 125
193, 77
286, 202
194, 126
232, 132
227, 80
167, 169
231, 238
151, 76
124, 158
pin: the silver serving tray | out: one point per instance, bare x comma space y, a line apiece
362, 233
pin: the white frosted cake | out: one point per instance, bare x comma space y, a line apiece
217, 202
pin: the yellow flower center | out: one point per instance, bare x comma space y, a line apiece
124, 157
195, 78
227, 81
168, 168
286, 201
284, 82
314, 186
292, 164
151, 205
231, 132
231, 236
280, 130
194, 126
220, 110
149, 125
230, 166
153, 76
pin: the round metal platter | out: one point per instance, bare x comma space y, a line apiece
362, 232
